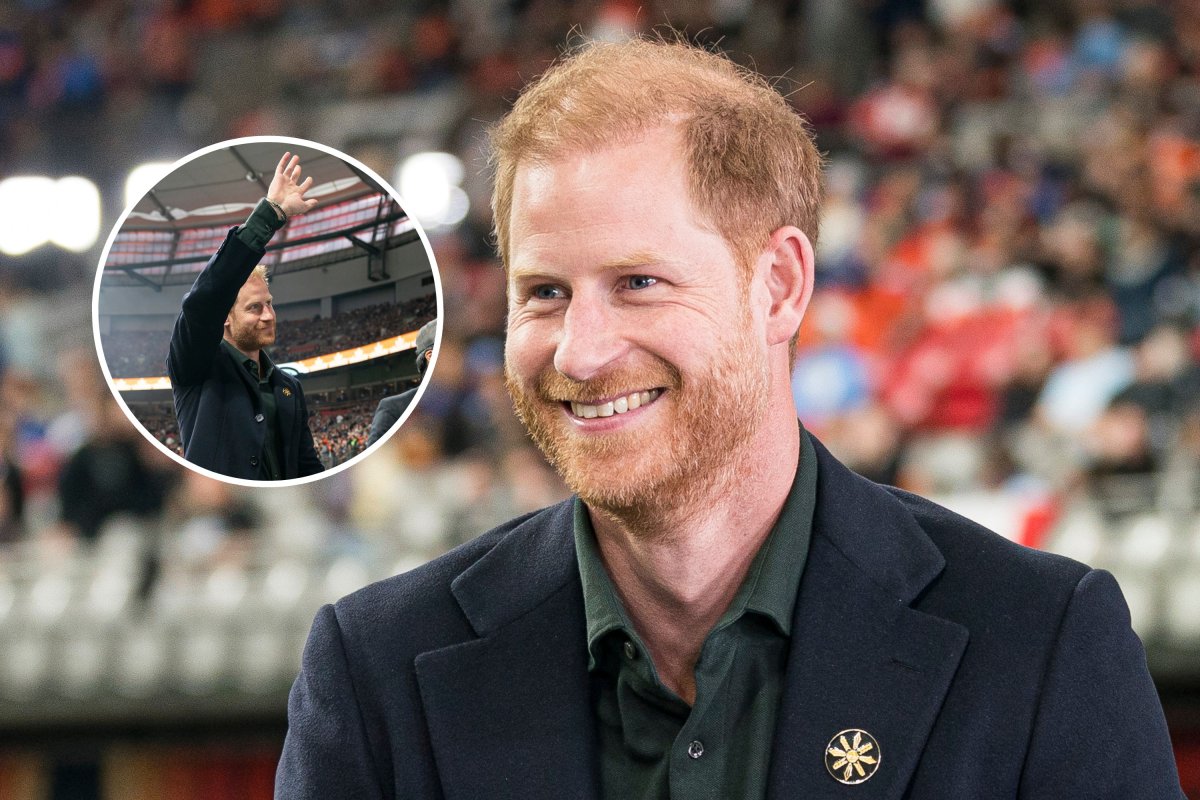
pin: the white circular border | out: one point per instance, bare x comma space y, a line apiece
437, 342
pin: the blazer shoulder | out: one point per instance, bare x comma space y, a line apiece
965, 541
987, 575
419, 604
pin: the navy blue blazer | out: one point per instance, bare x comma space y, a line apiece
217, 402
984, 670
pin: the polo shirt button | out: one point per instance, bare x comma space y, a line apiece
629, 650
254, 461
259, 417
696, 749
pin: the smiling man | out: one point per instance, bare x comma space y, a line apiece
237, 414
723, 610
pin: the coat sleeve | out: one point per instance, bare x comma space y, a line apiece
386, 414
1100, 730
326, 755
196, 337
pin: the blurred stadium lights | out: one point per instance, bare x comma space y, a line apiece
109, 594
143, 178
49, 597
25, 665
431, 186
285, 583
8, 597
35, 209
344, 576
82, 664
142, 658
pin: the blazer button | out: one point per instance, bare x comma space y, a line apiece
259, 417
254, 461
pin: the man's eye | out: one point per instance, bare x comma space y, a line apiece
640, 281
546, 292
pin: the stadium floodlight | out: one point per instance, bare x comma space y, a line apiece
27, 213
430, 184
35, 209
143, 178
78, 221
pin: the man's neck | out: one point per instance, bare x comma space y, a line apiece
253, 355
676, 584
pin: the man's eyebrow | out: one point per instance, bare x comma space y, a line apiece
642, 258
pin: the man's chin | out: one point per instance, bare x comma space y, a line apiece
619, 475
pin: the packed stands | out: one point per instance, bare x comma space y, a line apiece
1006, 319
143, 354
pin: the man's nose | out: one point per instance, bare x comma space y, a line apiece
268, 314
591, 338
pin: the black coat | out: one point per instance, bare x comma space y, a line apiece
217, 402
386, 414
984, 670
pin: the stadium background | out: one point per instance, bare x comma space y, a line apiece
1006, 321
351, 281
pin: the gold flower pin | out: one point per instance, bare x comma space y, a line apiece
852, 756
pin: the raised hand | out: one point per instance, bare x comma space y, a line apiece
287, 191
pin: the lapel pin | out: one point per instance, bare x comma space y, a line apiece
852, 756
287, 392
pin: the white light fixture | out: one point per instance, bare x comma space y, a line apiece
78, 223
430, 184
143, 178
26, 213
35, 209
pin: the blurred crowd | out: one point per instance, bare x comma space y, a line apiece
143, 354
1009, 278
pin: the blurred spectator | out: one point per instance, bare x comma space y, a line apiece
1095, 370
12, 493
113, 472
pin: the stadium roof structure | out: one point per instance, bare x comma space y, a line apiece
219, 187
175, 227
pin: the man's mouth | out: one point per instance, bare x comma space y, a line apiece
618, 405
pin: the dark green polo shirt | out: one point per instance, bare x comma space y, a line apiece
269, 466
260, 226
652, 744
256, 232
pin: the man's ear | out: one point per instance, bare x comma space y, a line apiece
790, 270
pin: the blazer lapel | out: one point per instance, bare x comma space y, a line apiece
861, 657
510, 714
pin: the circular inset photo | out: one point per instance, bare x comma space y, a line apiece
267, 311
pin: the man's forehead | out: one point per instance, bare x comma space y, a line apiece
632, 199
254, 290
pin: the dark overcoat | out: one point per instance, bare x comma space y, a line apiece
387, 412
217, 403
985, 670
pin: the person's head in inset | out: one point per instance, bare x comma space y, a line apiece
424, 345
250, 325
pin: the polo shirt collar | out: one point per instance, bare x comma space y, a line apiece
771, 584
248, 363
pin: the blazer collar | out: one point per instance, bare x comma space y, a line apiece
510, 713
861, 656
524, 568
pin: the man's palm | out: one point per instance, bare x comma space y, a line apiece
287, 191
